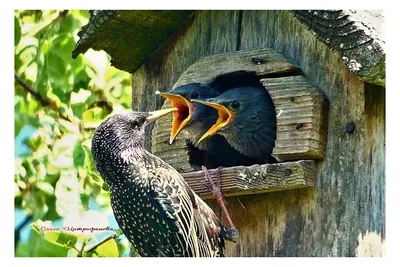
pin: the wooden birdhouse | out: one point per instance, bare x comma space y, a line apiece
325, 72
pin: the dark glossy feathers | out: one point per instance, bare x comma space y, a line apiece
155, 208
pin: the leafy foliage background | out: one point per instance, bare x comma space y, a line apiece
58, 103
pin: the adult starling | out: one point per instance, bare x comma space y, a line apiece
247, 119
153, 205
194, 119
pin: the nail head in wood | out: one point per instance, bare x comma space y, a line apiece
350, 127
288, 172
299, 125
258, 61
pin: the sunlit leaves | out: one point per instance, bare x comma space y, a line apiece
67, 192
108, 249
17, 31
56, 177
62, 154
46, 188
37, 246
78, 155
54, 235
80, 240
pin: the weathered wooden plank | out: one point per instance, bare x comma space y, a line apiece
357, 35
347, 205
263, 62
297, 103
256, 179
348, 201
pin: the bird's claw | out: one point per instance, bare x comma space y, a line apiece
215, 188
218, 175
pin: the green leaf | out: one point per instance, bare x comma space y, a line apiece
108, 249
105, 187
34, 204
94, 116
41, 171
67, 126
51, 214
62, 154
78, 109
22, 250
39, 247
19, 168
79, 154
85, 200
54, 235
67, 191
79, 97
17, 31
46, 188
57, 70
72, 253
67, 24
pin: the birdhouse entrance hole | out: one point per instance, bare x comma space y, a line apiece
301, 112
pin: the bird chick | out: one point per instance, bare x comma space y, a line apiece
194, 119
191, 117
247, 119
153, 205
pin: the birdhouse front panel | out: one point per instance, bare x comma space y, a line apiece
301, 114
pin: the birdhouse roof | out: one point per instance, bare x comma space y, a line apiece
131, 36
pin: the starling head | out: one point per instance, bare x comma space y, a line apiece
124, 130
246, 118
192, 117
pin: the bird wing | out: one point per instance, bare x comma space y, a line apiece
188, 226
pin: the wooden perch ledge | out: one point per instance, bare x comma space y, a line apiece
240, 180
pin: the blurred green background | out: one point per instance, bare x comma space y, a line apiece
58, 103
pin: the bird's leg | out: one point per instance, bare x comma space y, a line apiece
216, 191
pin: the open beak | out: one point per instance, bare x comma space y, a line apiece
155, 115
225, 116
182, 114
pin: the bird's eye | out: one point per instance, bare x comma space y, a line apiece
135, 124
194, 95
235, 105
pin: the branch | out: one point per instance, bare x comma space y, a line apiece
92, 249
45, 102
103, 102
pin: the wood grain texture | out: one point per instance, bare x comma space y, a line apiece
256, 179
301, 118
263, 62
348, 202
357, 35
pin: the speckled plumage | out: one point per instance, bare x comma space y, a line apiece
155, 208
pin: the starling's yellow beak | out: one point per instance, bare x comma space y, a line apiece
155, 115
182, 114
225, 116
